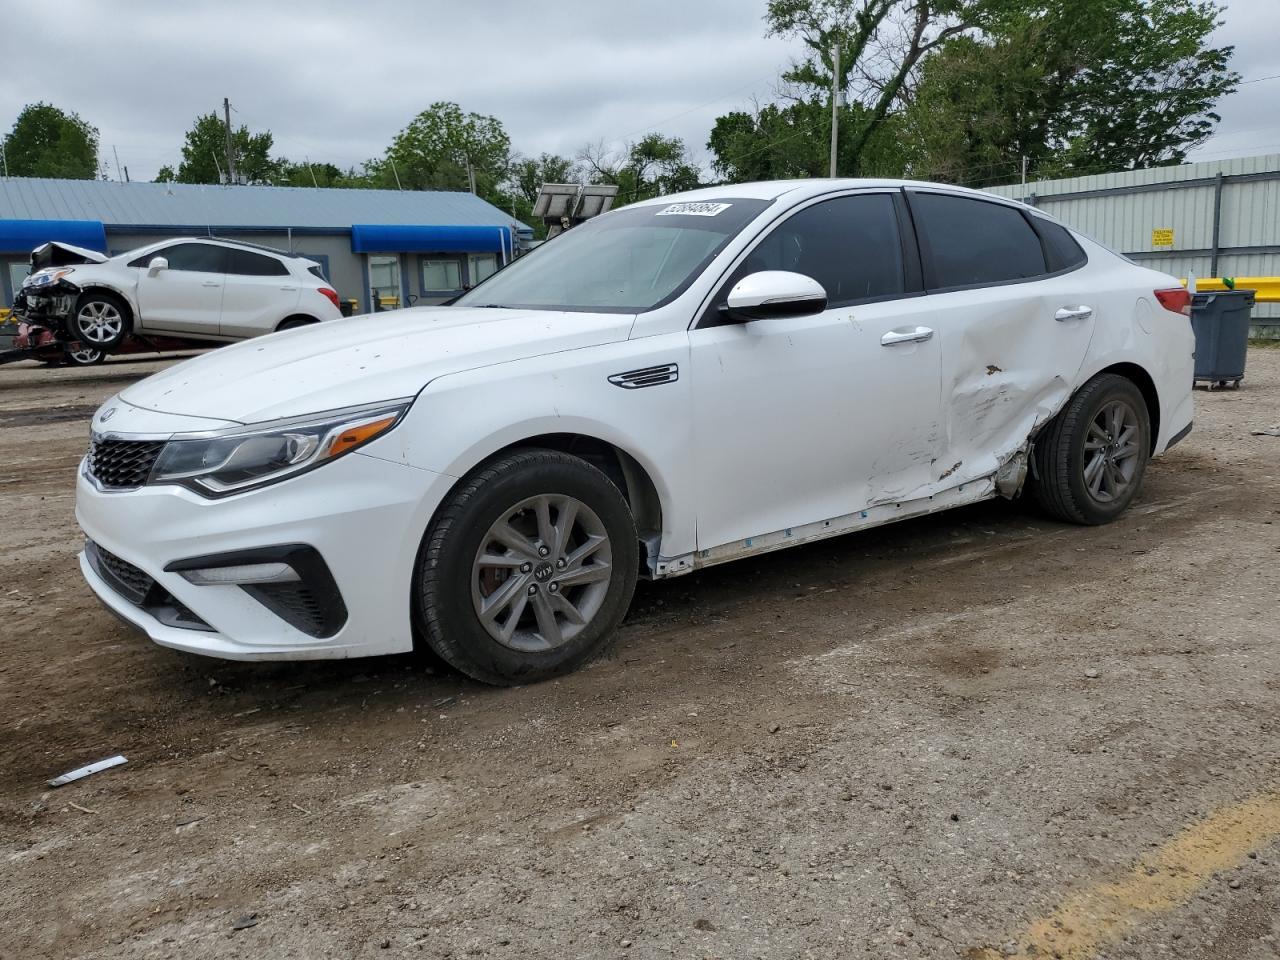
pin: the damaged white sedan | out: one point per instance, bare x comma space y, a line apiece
675, 384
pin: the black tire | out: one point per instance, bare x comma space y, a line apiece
83, 357
106, 338
444, 609
294, 322
1059, 456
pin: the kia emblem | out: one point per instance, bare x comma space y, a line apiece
108, 414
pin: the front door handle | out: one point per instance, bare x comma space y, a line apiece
211, 283
914, 335
1073, 313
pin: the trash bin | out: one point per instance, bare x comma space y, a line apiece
1221, 324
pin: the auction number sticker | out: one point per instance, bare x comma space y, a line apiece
693, 209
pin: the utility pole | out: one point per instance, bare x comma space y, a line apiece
835, 103
1024, 169
395, 172
231, 155
307, 160
126, 173
471, 173
4, 159
214, 154
116, 154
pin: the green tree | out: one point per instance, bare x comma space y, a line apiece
438, 146
289, 173
880, 42
650, 167
528, 174
48, 142
204, 154
1075, 86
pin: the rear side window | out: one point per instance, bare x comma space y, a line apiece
850, 245
969, 242
1061, 252
248, 264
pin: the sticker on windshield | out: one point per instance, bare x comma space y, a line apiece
693, 209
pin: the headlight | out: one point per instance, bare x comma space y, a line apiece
42, 278
231, 461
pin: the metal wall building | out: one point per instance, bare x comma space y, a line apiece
1217, 218
395, 247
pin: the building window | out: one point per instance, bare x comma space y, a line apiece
441, 275
384, 282
483, 266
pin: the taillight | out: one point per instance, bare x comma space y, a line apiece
333, 296
1176, 299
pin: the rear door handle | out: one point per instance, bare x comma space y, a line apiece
211, 283
914, 335
1073, 313
290, 289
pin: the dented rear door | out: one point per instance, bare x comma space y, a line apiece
1012, 339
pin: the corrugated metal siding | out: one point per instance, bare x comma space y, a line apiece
188, 205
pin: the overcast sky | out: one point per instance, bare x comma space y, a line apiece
336, 80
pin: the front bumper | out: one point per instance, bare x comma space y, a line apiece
365, 516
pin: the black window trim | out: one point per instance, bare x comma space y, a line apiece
708, 315
1033, 219
925, 256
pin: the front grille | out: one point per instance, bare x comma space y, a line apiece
126, 579
122, 464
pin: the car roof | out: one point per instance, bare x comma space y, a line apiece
802, 189
225, 242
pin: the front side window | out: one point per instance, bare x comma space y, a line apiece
441, 275
191, 257
850, 245
627, 261
968, 242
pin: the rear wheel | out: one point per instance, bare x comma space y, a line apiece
100, 321
295, 322
1090, 459
528, 569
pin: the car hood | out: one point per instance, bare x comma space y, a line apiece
55, 254
365, 359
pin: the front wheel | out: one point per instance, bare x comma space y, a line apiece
1090, 459
528, 569
100, 321
82, 356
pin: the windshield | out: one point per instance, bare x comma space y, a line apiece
628, 261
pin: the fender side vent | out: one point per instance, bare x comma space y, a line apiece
648, 377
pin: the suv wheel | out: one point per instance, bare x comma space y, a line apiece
1091, 457
527, 570
100, 321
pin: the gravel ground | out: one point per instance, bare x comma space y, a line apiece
974, 735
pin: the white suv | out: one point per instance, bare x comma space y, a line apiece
675, 384
200, 289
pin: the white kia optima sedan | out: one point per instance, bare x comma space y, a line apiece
675, 384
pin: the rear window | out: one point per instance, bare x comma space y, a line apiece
969, 242
1061, 251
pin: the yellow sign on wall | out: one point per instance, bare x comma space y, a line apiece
1162, 237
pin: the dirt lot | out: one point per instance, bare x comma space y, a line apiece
975, 735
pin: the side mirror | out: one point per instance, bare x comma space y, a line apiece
775, 293
156, 265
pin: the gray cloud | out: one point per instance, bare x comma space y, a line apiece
336, 80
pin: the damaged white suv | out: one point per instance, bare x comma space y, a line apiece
675, 384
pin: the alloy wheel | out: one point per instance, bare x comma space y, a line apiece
99, 322
85, 355
541, 573
1111, 453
